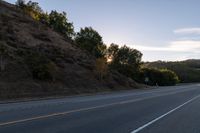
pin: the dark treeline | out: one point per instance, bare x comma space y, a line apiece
125, 60
188, 71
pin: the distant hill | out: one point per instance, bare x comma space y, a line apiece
37, 61
188, 70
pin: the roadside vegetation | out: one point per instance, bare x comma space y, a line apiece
125, 60
188, 71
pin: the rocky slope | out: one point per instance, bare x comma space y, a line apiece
25, 44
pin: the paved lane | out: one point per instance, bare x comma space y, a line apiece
121, 112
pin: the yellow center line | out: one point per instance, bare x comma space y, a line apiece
79, 110
56, 114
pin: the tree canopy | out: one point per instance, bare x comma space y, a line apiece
90, 40
161, 77
59, 22
125, 60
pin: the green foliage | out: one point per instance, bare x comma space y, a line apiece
44, 18
21, 3
41, 67
34, 6
188, 71
31, 8
55, 20
125, 60
90, 40
59, 22
161, 77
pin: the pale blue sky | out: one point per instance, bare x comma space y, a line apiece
161, 29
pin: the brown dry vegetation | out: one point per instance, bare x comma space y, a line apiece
37, 61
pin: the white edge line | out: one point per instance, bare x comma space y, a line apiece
78, 110
171, 111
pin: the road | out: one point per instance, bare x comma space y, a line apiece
162, 110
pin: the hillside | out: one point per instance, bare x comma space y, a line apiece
188, 70
37, 61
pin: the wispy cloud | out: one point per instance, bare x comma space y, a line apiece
195, 30
174, 46
185, 45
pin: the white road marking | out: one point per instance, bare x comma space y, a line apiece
82, 109
171, 111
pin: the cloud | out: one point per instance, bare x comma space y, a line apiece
174, 46
195, 30
185, 45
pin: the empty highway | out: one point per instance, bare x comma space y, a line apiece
174, 109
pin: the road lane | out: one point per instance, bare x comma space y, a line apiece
186, 120
124, 113
30, 110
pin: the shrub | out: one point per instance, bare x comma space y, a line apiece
160, 77
41, 67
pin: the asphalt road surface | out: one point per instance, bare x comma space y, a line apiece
162, 110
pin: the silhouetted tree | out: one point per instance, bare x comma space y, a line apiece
20, 3
90, 40
112, 51
125, 60
59, 22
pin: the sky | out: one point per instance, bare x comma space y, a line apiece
166, 30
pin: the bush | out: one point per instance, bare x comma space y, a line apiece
41, 67
161, 77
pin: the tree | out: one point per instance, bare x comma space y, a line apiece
34, 10
59, 22
160, 77
34, 6
90, 40
20, 3
101, 67
125, 60
112, 51
31, 8
55, 20
44, 18
169, 77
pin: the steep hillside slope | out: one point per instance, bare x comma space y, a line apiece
36, 61
188, 71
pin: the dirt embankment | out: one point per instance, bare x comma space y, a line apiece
30, 49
